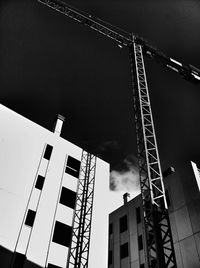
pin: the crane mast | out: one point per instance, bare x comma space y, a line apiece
159, 250
79, 249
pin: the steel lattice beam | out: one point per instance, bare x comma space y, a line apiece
79, 250
159, 246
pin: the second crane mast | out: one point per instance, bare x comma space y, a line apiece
159, 243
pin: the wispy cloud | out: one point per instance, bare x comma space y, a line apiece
125, 177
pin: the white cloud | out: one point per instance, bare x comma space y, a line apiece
125, 181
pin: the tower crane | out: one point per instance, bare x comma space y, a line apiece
159, 249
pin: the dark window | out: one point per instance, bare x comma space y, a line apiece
68, 197
123, 226
124, 251
138, 215
39, 182
110, 257
62, 234
110, 228
19, 260
30, 218
53, 266
48, 152
142, 265
73, 166
140, 242
167, 198
153, 263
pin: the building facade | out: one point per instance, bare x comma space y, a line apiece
39, 173
126, 241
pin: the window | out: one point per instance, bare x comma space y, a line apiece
153, 263
73, 166
62, 234
19, 260
53, 266
110, 257
167, 198
123, 226
30, 217
138, 215
110, 228
142, 265
124, 251
140, 242
39, 182
48, 151
68, 197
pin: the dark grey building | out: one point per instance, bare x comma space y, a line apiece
126, 241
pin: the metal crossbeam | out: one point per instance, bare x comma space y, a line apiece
159, 247
79, 250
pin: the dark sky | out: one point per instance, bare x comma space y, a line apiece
50, 64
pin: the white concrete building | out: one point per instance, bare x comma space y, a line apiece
38, 182
126, 224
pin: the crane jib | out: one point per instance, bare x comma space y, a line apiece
187, 71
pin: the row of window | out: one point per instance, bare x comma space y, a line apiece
62, 232
30, 217
123, 222
124, 251
67, 198
73, 165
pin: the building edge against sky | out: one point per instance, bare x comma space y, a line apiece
38, 184
126, 224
